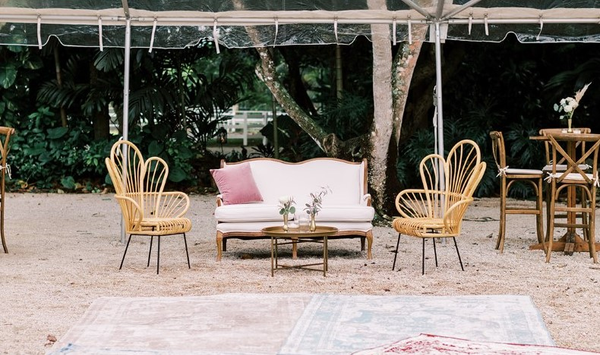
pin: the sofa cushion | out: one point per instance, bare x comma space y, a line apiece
236, 184
345, 213
250, 212
266, 212
254, 227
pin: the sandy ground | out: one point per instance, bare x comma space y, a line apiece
64, 252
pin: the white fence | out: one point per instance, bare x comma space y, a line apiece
246, 123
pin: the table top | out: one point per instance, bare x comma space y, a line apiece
321, 231
573, 137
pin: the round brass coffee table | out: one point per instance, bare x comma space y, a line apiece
296, 236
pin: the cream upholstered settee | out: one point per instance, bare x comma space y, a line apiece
249, 193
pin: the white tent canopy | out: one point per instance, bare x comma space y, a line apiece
181, 23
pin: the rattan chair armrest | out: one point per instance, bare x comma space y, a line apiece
454, 215
132, 212
173, 204
414, 203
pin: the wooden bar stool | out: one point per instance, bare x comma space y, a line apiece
571, 181
561, 166
5, 133
508, 176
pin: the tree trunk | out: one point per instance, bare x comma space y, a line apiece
381, 131
100, 119
296, 86
405, 63
57, 68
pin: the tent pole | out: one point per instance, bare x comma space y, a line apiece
440, 114
438, 87
126, 80
125, 127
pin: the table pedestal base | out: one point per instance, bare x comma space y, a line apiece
567, 243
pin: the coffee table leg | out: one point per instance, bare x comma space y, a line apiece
325, 256
272, 256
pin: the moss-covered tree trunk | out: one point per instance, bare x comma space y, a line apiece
381, 131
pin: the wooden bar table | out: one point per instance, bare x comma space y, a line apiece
570, 242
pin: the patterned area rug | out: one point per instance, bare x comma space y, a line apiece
427, 344
294, 324
338, 324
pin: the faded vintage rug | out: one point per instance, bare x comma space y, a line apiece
428, 344
289, 324
341, 324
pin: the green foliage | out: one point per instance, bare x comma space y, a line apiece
43, 155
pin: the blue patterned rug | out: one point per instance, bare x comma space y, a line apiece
339, 324
294, 324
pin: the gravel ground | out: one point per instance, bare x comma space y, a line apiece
65, 250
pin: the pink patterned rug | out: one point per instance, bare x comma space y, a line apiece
428, 344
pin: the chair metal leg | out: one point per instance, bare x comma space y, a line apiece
396, 252
150, 251
158, 253
186, 251
458, 253
423, 261
126, 247
434, 252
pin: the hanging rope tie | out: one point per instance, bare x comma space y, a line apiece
39, 31
276, 31
502, 171
485, 25
7, 168
470, 22
410, 39
335, 29
152, 35
216, 37
541, 28
394, 25
100, 39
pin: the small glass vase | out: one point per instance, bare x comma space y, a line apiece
285, 222
569, 127
312, 225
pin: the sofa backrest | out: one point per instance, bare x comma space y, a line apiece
275, 178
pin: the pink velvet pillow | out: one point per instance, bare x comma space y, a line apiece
236, 184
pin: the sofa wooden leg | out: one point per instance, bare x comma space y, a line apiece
369, 244
362, 243
219, 246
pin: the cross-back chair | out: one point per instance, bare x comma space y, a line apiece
437, 210
146, 208
508, 177
579, 178
561, 164
5, 133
